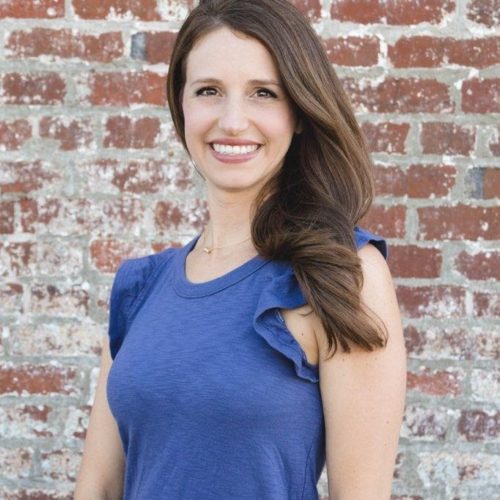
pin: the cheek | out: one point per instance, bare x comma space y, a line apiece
280, 121
196, 120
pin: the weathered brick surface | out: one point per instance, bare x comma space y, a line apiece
22, 89
14, 134
124, 89
64, 44
32, 9
124, 132
447, 139
91, 172
73, 133
353, 50
429, 52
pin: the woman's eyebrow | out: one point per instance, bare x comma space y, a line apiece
252, 82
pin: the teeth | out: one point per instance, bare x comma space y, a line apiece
234, 150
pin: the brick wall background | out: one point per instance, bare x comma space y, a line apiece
91, 173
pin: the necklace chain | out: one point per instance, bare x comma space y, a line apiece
208, 249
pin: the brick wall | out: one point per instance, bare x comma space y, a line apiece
90, 173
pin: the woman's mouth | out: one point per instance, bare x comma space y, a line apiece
234, 154
226, 149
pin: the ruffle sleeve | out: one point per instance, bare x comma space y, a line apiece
128, 285
363, 236
283, 292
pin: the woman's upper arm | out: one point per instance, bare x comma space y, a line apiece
363, 396
102, 467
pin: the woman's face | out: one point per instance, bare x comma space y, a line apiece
239, 122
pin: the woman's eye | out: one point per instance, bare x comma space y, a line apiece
206, 91
267, 92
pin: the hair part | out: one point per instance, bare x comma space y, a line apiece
307, 211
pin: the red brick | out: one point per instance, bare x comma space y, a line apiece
486, 304
432, 301
125, 132
479, 53
32, 8
138, 176
429, 424
28, 421
145, 10
429, 181
398, 12
60, 465
390, 181
491, 183
11, 297
38, 212
358, 11
6, 217
47, 88
124, 89
37, 379
458, 223
310, 8
411, 261
399, 95
439, 342
56, 339
404, 12
64, 44
436, 382
153, 47
484, 12
36, 493
107, 254
447, 138
72, 133
481, 95
16, 462
15, 257
405, 497
386, 137
479, 266
431, 52
14, 134
170, 215
25, 177
440, 301
81, 215
48, 299
386, 221
477, 425
417, 52
353, 51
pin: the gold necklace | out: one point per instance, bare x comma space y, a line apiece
209, 249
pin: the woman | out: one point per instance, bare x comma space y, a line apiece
272, 341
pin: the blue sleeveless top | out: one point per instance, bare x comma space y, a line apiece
213, 397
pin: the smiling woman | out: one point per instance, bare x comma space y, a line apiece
270, 344
231, 110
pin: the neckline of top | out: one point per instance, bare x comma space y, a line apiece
186, 288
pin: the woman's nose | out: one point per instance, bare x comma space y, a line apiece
233, 118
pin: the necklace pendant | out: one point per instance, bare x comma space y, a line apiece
207, 250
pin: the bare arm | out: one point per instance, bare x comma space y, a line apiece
363, 397
102, 467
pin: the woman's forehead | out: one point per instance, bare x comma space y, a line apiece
224, 53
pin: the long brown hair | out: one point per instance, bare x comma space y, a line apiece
306, 213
